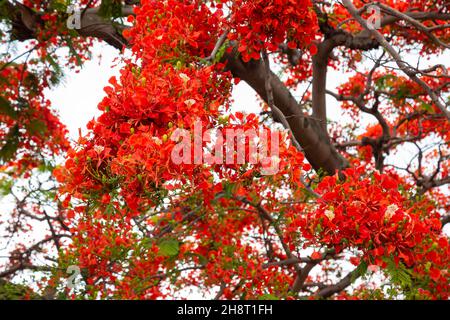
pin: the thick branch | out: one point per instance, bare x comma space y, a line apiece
26, 24
306, 130
338, 287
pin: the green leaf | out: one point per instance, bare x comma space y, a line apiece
398, 273
11, 145
169, 247
36, 127
228, 189
73, 52
7, 109
46, 166
427, 107
6, 186
268, 296
12, 291
57, 73
110, 9
221, 52
381, 82
360, 270
59, 5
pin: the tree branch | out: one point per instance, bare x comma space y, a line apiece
409, 71
307, 131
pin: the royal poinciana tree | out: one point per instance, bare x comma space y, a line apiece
359, 203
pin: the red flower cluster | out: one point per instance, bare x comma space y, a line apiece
406, 33
124, 171
405, 97
267, 24
29, 127
376, 217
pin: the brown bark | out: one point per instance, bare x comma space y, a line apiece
307, 131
